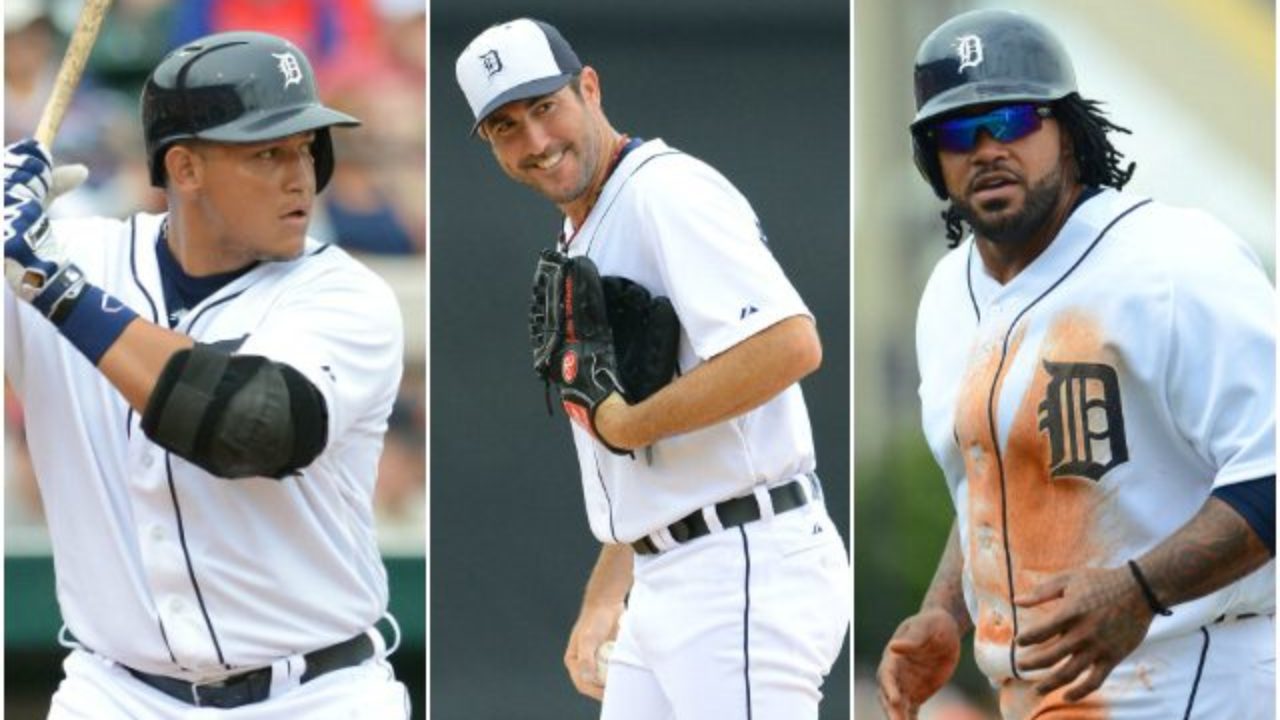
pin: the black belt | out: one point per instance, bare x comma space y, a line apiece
732, 513
255, 685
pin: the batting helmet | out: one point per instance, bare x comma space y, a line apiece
978, 58
236, 87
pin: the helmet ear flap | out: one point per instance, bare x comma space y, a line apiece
155, 164
322, 155
925, 154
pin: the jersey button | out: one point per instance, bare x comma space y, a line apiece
177, 606
157, 533
986, 537
148, 460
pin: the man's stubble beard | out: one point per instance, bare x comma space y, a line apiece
1018, 228
588, 152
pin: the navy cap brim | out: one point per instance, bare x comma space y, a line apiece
524, 91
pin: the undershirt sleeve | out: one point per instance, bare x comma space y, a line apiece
1255, 500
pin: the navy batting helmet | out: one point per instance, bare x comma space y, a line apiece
236, 87
979, 58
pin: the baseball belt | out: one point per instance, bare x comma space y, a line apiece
255, 685
734, 513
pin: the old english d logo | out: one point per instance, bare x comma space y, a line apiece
969, 50
289, 68
1082, 416
492, 62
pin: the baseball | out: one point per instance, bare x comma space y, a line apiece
603, 654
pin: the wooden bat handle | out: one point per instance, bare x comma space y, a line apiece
73, 62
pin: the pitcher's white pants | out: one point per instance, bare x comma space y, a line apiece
741, 624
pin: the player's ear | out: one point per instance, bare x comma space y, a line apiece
184, 167
589, 86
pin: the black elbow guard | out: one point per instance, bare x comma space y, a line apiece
236, 415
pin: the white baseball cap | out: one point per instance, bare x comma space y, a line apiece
515, 60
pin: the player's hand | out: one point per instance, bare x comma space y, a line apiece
596, 625
919, 659
32, 254
1097, 617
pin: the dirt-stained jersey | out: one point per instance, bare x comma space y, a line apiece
1085, 410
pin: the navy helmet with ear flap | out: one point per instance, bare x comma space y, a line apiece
236, 87
980, 58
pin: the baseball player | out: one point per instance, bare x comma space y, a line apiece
206, 392
1097, 385
721, 579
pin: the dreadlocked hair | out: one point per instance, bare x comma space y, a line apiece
955, 225
1098, 162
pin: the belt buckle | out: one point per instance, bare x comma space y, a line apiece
229, 692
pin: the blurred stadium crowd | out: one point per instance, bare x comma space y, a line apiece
370, 61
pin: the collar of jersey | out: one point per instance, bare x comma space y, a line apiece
186, 291
635, 155
1073, 240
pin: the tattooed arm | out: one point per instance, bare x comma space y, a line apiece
1102, 614
1217, 547
925, 649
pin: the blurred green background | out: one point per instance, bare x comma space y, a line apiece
1193, 80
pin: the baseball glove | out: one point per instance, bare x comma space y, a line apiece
571, 339
646, 336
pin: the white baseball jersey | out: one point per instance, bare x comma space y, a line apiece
745, 622
161, 566
1085, 410
677, 227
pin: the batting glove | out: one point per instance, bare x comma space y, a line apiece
35, 263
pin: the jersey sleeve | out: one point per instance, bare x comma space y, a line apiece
945, 325
344, 333
1221, 375
721, 276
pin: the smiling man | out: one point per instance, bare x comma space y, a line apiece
1097, 385
721, 578
206, 392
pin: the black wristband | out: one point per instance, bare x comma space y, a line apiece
1154, 604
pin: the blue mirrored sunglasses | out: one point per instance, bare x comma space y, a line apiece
1006, 124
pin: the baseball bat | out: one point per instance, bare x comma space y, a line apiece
72, 68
